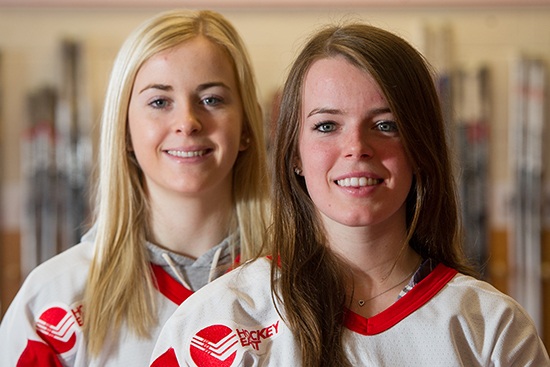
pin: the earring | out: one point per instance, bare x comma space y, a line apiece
245, 143
298, 171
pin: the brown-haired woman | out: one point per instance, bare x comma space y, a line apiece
369, 267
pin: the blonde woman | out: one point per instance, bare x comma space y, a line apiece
181, 196
368, 264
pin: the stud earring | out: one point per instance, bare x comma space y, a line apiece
298, 171
245, 143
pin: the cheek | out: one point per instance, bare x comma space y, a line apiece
316, 166
231, 135
133, 117
229, 143
132, 136
315, 158
229, 126
143, 140
399, 163
403, 161
139, 135
135, 126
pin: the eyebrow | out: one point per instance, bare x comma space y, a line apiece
158, 86
380, 111
332, 111
200, 88
205, 86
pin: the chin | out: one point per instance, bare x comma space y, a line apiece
355, 221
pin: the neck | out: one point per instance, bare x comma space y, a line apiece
380, 264
368, 249
187, 225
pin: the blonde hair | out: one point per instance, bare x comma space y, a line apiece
120, 284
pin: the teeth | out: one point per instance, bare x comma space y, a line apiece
358, 182
195, 153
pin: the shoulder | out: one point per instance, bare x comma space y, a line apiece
466, 295
59, 279
237, 307
48, 307
252, 279
73, 257
467, 289
450, 317
64, 266
481, 309
472, 296
468, 306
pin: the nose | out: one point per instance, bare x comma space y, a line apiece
187, 121
357, 144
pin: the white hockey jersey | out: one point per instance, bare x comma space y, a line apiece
448, 319
42, 327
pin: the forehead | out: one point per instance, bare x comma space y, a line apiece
337, 83
197, 56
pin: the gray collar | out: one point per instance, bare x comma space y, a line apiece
194, 274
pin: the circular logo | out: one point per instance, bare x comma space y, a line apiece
57, 326
214, 345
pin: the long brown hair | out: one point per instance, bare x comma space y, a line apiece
310, 280
120, 285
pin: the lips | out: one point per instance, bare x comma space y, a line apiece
358, 181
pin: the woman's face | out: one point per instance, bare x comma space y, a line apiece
354, 164
185, 119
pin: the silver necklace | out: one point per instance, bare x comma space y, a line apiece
361, 302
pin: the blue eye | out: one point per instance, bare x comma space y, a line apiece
159, 103
387, 126
325, 127
210, 101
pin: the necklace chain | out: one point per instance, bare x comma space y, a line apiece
361, 302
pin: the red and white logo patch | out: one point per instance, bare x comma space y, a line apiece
215, 345
223, 345
59, 326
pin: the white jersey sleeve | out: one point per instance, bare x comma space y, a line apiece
42, 325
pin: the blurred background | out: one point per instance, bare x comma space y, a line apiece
492, 62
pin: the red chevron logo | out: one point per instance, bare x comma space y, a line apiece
215, 345
221, 345
57, 327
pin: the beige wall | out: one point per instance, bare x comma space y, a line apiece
29, 44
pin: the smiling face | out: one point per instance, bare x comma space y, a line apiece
354, 164
185, 119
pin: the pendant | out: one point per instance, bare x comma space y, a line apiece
361, 303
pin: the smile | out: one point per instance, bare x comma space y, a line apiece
358, 182
182, 154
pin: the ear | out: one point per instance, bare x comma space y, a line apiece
129, 145
298, 166
245, 141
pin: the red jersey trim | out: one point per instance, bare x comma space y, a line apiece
169, 287
38, 354
410, 302
236, 264
168, 359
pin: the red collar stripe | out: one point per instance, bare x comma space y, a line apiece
409, 303
169, 287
